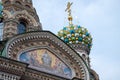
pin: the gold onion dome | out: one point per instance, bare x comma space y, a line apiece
75, 34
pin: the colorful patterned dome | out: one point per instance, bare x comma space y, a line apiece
75, 34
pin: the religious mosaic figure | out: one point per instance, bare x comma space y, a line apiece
46, 59
32, 57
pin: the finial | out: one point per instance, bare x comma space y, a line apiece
68, 9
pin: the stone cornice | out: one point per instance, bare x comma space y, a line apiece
12, 66
23, 71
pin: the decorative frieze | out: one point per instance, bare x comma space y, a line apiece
7, 76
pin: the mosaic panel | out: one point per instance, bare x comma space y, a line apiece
45, 60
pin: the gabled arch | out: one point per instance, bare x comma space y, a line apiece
41, 39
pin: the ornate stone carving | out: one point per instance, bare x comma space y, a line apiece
42, 40
17, 10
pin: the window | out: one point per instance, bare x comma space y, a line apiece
21, 27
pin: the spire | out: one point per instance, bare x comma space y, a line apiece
68, 9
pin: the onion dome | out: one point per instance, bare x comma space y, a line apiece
75, 34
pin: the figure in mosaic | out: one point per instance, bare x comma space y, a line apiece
46, 59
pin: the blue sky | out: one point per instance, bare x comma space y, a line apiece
101, 18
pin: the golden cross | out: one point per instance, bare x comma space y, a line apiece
69, 8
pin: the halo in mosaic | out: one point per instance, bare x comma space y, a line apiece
75, 34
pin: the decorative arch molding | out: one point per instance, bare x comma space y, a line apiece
44, 38
6, 2
6, 14
22, 15
28, 6
18, 2
25, 15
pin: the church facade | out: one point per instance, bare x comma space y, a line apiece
27, 52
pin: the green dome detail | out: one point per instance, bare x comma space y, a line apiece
75, 34
1, 12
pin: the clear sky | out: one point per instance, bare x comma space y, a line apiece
101, 18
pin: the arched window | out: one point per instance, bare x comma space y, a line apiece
21, 27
